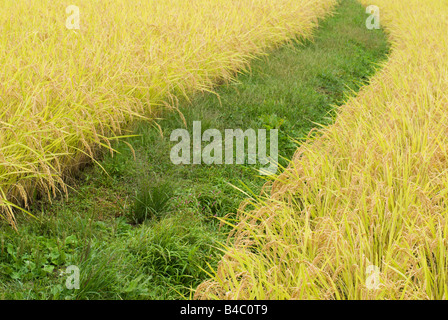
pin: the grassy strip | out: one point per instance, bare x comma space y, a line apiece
145, 229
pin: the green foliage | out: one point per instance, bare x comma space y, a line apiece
44, 257
151, 200
212, 203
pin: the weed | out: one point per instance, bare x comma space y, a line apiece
151, 200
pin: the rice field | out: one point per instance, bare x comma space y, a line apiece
361, 211
65, 94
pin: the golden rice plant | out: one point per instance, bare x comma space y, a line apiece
361, 212
65, 93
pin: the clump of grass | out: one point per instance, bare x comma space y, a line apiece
174, 252
151, 200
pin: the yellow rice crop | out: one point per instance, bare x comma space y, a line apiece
370, 191
63, 92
